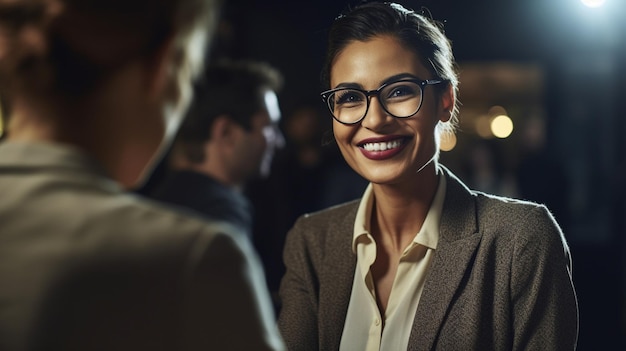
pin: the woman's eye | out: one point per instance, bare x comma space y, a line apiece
403, 91
348, 97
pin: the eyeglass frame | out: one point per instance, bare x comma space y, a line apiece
325, 95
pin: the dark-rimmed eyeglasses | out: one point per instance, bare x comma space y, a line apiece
400, 99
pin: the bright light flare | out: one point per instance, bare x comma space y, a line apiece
502, 126
593, 3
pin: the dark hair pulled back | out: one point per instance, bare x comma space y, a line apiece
417, 32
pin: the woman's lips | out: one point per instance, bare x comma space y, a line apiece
381, 149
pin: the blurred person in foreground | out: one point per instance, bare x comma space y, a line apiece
227, 138
420, 262
94, 89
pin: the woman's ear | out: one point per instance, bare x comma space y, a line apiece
447, 101
171, 79
161, 68
223, 130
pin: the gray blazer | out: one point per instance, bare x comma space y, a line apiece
84, 266
500, 280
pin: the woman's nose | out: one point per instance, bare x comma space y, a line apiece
376, 117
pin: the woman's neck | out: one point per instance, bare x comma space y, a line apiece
400, 209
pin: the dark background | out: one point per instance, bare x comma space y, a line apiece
581, 54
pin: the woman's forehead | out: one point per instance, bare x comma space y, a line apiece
369, 63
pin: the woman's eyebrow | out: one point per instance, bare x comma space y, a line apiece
397, 77
387, 80
349, 85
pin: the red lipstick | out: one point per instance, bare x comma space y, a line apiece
382, 148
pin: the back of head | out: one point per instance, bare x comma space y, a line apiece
111, 77
234, 89
64, 48
416, 32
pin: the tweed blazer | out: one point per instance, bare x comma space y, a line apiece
500, 279
86, 266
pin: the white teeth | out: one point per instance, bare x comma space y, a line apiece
382, 146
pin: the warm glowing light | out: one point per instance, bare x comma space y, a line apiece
497, 110
593, 3
502, 126
483, 127
448, 142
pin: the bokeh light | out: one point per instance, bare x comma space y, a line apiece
502, 126
448, 141
483, 127
495, 123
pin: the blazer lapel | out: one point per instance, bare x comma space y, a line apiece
458, 240
336, 281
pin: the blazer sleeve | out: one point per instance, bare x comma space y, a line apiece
227, 303
545, 312
298, 319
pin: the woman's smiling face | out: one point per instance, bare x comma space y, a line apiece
381, 148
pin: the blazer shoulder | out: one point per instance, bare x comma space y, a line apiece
323, 232
507, 208
498, 218
527, 219
330, 216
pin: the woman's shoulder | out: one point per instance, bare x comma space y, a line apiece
507, 207
323, 234
498, 218
331, 214
333, 224
525, 219
493, 210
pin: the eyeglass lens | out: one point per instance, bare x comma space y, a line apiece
399, 99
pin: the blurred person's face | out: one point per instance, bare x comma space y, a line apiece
179, 72
381, 148
255, 148
183, 71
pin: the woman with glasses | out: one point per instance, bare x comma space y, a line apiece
420, 262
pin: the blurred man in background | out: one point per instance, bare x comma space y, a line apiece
227, 139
